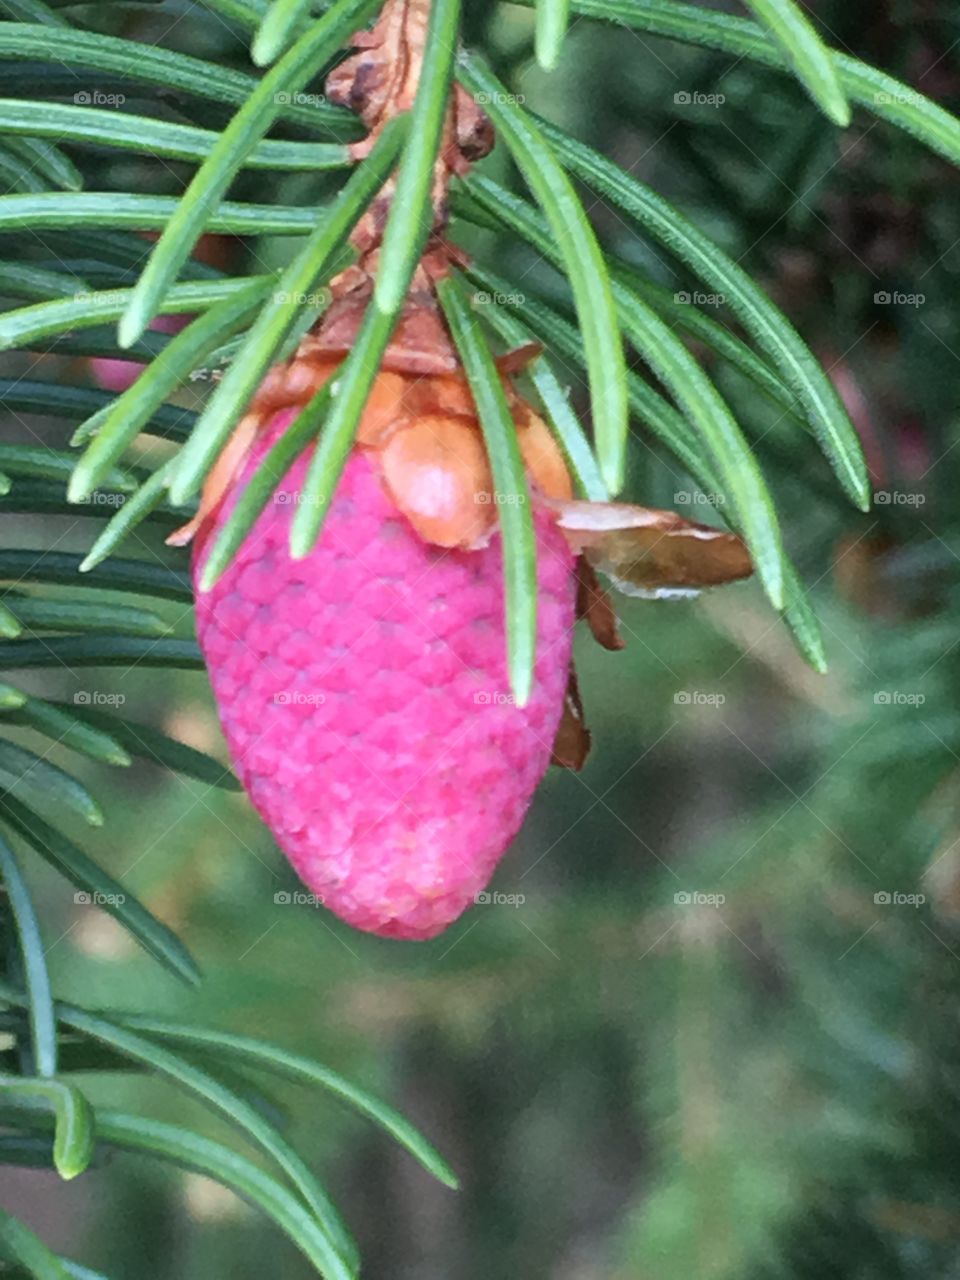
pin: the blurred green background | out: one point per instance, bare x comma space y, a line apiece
718, 1037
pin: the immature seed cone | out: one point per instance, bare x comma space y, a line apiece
363, 690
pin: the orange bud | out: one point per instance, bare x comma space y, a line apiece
438, 474
543, 460
426, 435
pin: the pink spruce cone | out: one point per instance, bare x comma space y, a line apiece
364, 696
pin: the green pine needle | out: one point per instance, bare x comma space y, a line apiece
511, 491
553, 17
279, 314
807, 55
411, 215
214, 176
583, 262
348, 396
